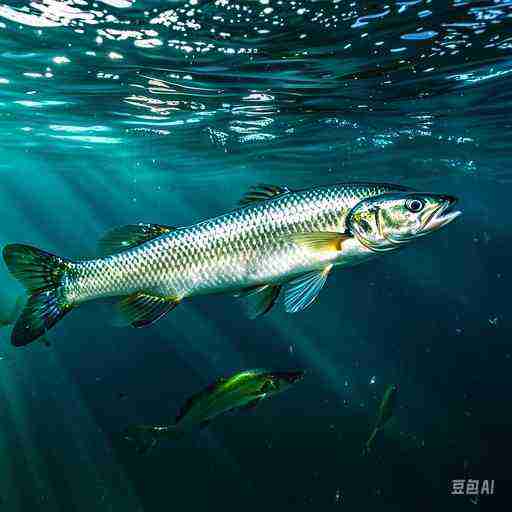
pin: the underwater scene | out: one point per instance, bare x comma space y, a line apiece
255, 255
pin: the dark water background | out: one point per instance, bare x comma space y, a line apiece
119, 111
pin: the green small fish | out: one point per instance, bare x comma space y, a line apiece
243, 390
386, 408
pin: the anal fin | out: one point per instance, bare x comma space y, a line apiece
142, 309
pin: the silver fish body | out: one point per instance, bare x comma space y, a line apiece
278, 237
245, 247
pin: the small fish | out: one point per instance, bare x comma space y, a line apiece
386, 408
276, 240
243, 390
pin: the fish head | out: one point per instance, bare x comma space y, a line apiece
387, 222
276, 382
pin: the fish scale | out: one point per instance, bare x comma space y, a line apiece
237, 250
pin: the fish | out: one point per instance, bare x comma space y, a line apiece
276, 240
386, 409
241, 391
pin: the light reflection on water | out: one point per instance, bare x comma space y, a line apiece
250, 73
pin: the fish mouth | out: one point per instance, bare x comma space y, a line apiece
442, 216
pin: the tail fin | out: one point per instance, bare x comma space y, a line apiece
42, 275
145, 437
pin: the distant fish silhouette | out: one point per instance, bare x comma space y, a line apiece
386, 409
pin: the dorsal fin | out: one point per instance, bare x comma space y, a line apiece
126, 237
194, 399
261, 193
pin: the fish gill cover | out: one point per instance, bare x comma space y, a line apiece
116, 112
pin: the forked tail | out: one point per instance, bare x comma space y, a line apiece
42, 274
145, 437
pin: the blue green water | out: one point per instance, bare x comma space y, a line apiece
118, 111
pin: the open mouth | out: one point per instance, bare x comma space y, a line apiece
443, 215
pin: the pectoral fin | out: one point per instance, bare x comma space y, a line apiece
303, 290
142, 309
320, 241
126, 237
260, 299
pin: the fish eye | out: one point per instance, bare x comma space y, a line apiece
414, 205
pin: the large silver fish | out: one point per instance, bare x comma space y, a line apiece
276, 237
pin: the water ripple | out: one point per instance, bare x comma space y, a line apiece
239, 75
